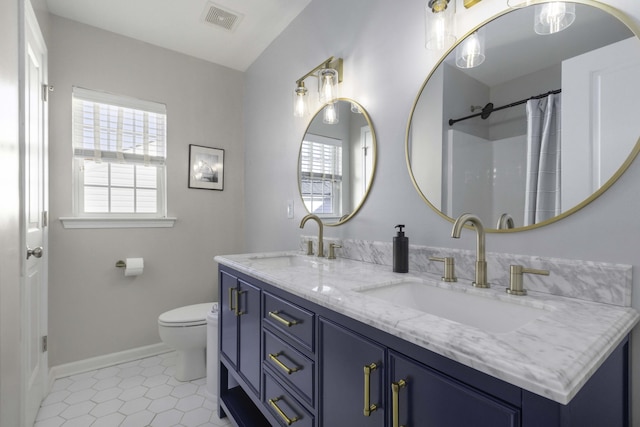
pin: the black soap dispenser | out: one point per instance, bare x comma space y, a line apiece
400, 251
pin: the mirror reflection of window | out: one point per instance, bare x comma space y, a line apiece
336, 188
321, 175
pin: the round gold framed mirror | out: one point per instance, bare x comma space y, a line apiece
539, 129
337, 161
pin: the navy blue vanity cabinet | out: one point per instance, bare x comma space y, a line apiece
287, 361
421, 396
352, 370
240, 328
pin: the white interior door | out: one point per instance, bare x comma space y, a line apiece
33, 294
598, 94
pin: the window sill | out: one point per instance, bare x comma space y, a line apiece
79, 222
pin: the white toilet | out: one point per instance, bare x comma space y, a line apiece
185, 329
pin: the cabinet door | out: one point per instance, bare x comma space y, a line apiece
345, 384
422, 397
228, 319
249, 335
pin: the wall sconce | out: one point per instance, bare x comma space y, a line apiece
329, 74
300, 101
553, 17
470, 53
439, 31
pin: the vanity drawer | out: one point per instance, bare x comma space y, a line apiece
283, 406
293, 367
292, 320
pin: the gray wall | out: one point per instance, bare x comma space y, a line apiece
385, 64
95, 310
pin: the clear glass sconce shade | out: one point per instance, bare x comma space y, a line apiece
439, 24
553, 17
331, 115
470, 53
328, 85
300, 101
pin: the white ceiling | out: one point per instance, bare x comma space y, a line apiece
179, 25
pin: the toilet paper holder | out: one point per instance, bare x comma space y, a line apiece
121, 264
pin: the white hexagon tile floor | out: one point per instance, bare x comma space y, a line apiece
140, 393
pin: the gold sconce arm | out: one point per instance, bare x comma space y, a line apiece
331, 62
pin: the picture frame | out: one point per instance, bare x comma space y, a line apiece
206, 168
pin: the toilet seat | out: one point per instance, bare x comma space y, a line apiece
191, 315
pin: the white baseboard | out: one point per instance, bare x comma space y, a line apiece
99, 362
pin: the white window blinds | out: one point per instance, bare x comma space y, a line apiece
322, 159
111, 128
321, 174
119, 150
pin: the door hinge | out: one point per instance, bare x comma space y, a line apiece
45, 218
45, 92
44, 343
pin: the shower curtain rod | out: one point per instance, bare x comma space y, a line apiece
488, 109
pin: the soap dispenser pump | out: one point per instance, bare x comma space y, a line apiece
400, 251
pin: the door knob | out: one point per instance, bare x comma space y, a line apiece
36, 252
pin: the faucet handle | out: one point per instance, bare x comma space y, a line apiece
449, 268
515, 278
332, 250
309, 247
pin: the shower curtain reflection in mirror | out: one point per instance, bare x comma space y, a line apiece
542, 199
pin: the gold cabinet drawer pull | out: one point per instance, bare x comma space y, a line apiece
287, 323
395, 391
368, 406
288, 370
237, 307
288, 421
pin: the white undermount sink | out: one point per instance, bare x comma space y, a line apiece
486, 313
289, 260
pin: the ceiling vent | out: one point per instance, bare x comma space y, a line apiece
220, 17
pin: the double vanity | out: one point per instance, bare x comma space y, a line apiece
320, 342
309, 341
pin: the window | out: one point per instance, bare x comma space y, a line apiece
119, 150
321, 175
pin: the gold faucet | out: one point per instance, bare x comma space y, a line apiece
319, 221
481, 263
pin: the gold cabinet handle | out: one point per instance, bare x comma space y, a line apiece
368, 406
288, 421
395, 391
288, 370
287, 323
237, 307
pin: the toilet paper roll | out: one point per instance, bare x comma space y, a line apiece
134, 267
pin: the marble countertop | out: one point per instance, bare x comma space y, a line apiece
553, 355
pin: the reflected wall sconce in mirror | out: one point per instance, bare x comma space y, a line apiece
470, 53
329, 75
439, 24
550, 17
553, 17
330, 115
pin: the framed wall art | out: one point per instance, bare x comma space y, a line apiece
206, 167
